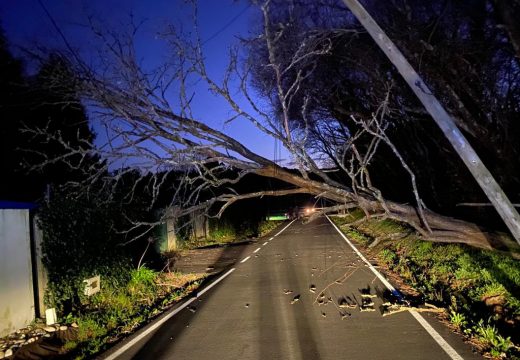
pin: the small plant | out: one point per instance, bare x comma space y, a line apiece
142, 284
458, 319
490, 337
388, 256
358, 236
88, 328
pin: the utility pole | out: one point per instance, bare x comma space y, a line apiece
468, 155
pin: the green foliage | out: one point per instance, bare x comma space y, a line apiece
89, 327
474, 283
388, 257
222, 231
78, 243
122, 309
458, 319
358, 236
142, 283
489, 336
266, 226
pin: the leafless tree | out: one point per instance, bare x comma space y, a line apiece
149, 124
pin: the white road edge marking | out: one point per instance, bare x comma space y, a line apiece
433, 333
279, 232
138, 338
156, 325
271, 239
245, 259
256, 250
199, 294
264, 244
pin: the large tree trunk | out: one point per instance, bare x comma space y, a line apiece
443, 229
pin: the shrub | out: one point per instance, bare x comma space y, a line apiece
78, 243
496, 344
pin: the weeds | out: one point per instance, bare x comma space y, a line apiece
120, 310
495, 343
458, 319
479, 284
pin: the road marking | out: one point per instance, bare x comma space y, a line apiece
271, 238
156, 325
420, 319
436, 336
264, 244
256, 250
244, 260
215, 282
279, 232
139, 337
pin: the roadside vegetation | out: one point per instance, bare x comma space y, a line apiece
135, 286
131, 295
223, 232
479, 289
117, 311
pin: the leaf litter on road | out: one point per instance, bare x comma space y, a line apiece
295, 299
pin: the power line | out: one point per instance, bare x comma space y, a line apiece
56, 27
228, 24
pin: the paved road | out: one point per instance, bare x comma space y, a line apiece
248, 315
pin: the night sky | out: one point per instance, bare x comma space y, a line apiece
26, 25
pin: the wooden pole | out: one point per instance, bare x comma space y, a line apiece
468, 155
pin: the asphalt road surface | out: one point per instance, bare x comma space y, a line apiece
267, 308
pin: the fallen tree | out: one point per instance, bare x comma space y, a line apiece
150, 123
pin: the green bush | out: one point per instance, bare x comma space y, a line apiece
266, 226
79, 242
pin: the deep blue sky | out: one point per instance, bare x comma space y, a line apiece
26, 24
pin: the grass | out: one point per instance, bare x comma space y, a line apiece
224, 233
115, 311
481, 288
267, 226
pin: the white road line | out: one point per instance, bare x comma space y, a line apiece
271, 238
244, 260
139, 337
279, 232
157, 324
436, 336
199, 294
256, 250
264, 244
433, 333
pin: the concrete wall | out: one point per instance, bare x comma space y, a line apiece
16, 286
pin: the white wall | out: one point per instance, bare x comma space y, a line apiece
16, 289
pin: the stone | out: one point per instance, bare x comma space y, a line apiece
8, 353
2, 355
63, 328
31, 340
49, 329
74, 325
